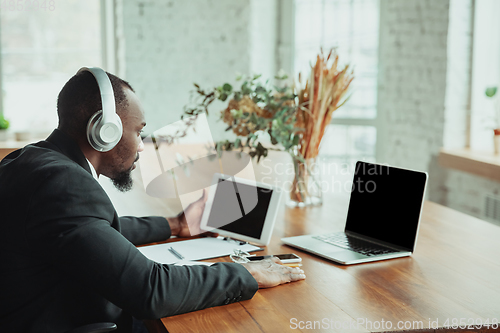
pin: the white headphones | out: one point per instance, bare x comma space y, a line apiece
104, 129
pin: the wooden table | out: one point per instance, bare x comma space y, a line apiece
7, 147
454, 273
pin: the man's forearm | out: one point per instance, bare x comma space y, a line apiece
143, 230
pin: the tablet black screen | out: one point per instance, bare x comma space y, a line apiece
239, 208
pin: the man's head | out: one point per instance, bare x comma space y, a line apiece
79, 100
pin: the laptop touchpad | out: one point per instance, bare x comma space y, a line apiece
346, 255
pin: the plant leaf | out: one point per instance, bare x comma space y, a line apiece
491, 91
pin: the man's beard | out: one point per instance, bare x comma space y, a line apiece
123, 180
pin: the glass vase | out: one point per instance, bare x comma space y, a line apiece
306, 186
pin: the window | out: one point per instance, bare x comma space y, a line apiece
352, 26
44, 43
485, 73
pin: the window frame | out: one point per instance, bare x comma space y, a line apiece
286, 61
108, 35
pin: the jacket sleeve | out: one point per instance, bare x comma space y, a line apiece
84, 247
143, 230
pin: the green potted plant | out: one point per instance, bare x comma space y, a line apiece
293, 117
4, 125
491, 92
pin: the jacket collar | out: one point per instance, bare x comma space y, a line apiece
68, 147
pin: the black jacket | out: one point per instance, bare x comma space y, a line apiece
67, 259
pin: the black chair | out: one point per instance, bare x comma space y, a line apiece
95, 328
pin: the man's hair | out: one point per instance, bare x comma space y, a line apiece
80, 98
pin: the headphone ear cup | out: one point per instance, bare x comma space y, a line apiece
104, 136
104, 129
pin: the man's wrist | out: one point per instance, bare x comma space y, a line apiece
251, 269
174, 224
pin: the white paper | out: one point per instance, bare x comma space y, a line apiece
194, 249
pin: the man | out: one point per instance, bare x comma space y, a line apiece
69, 260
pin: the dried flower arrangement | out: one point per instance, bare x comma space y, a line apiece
323, 93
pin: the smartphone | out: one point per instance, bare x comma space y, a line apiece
258, 258
288, 258
285, 258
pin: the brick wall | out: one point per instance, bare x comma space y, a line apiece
412, 81
171, 44
264, 26
166, 46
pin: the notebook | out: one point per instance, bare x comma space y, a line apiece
382, 220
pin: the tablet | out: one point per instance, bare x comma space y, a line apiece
241, 209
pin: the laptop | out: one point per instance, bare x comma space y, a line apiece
382, 220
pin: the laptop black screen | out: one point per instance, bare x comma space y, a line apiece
385, 203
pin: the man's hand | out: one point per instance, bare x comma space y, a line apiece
187, 223
269, 272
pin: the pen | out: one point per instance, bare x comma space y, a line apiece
175, 253
235, 240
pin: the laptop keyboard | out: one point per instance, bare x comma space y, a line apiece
354, 244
